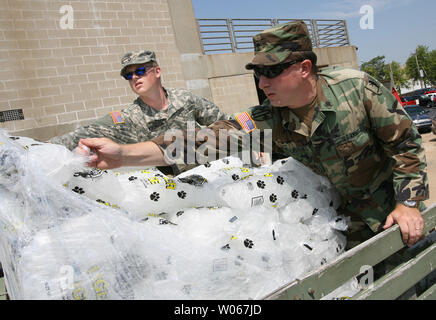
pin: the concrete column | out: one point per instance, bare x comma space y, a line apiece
188, 42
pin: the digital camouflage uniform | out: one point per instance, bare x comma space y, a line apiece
361, 139
140, 122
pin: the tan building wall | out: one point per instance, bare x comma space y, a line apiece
345, 56
234, 93
63, 77
233, 87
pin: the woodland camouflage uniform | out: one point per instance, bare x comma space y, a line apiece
361, 138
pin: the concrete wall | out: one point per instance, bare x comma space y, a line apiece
234, 93
345, 56
63, 78
189, 44
233, 87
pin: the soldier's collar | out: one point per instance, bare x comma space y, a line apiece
291, 118
291, 122
174, 105
149, 110
323, 102
141, 103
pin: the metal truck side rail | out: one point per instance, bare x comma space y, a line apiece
331, 276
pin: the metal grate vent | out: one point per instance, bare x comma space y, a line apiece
11, 115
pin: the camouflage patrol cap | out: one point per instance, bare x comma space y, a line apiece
276, 44
137, 57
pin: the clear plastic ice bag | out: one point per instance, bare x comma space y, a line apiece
72, 232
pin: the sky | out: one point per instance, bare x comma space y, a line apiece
399, 26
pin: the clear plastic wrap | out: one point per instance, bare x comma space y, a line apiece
218, 231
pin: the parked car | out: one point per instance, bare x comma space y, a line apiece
432, 97
421, 92
408, 100
420, 117
424, 101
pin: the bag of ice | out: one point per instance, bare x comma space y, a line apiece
218, 231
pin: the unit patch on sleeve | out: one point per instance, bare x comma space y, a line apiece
246, 122
117, 117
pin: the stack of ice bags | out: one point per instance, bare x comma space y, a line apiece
218, 231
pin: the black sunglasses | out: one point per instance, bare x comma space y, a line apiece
272, 71
139, 72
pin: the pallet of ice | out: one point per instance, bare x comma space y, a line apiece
218, 231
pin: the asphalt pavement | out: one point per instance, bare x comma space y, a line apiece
429, 143
432, 112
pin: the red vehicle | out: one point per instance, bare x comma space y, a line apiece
402, 100
427, 100
410, 100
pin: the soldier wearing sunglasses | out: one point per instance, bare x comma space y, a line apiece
155, 110
340, 122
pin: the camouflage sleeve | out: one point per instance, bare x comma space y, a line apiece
222, 138
206, 112
400, 140
189, 142
103, 127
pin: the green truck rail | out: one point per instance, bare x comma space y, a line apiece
3, 293
322, 281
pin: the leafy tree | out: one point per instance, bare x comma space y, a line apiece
431, 67
377, 68
398, 73
427, 63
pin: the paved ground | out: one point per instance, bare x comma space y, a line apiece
429, 140
431, 112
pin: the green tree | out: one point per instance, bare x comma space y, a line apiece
431, 67
427, 62
375, 67
399, 74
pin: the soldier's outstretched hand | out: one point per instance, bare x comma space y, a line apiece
102, 153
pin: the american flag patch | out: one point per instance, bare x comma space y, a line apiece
117, 117
246, 121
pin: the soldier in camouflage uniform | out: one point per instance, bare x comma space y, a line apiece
156, 109
340, 122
